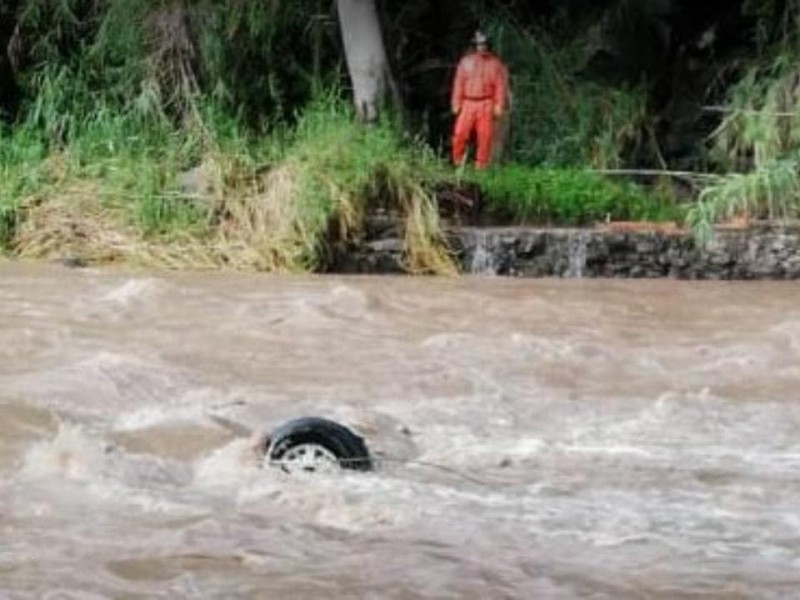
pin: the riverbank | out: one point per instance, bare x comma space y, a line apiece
623, 251
214, 195
333, 196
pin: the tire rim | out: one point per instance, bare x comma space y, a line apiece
309, 458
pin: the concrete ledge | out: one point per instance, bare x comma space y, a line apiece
764, 253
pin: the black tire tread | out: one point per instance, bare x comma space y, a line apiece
341, 441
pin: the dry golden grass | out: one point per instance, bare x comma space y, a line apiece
426, 249
75, 224
72, 223
260, 227
68, 218
261, 223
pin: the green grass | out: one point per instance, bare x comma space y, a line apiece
572, 197
21, 155
268, 202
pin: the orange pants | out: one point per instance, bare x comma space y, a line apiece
477, 115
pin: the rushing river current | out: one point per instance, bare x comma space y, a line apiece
540, 439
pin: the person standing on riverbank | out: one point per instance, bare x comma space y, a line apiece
478, 98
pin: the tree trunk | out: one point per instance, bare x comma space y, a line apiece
366, 56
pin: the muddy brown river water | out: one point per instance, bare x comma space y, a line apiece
542, 438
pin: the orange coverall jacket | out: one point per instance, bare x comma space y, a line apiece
479, 93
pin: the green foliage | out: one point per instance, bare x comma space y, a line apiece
258, 60
164, 213
569, 197
263, 59
21, 156
131, 161
769, 192
759, 138
341, 155
82, 56
559, 116
762, 123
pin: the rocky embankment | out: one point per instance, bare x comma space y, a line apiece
761, 252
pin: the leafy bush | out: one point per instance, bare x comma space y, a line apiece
757, 144
258, 60
559, 116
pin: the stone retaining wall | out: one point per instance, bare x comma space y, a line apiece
768, 253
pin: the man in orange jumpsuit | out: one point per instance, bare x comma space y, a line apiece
479, 96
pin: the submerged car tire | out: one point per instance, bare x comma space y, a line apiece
311, 444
